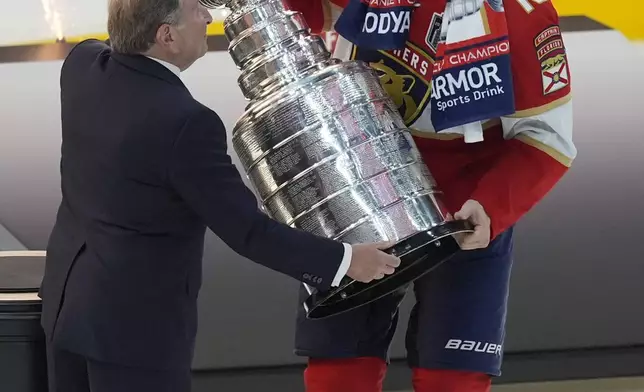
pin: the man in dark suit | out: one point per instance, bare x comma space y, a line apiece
144, 172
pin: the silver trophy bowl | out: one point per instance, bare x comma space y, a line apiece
327, 151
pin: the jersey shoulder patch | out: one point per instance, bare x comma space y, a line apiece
551, 54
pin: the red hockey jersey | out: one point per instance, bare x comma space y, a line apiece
521, 156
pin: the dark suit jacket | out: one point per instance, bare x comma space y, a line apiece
144, 172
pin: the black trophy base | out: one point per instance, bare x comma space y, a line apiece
419, 254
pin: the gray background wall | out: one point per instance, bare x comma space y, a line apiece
579, 262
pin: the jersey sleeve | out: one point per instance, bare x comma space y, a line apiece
320, 15
540, 146
541, 78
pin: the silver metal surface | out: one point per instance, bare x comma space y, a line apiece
247, 16
214, 3
321, 141
343, 104
265, 34
284, 63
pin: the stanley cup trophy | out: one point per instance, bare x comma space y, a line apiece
327, 151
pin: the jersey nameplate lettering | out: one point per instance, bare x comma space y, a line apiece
376, 24
396, 22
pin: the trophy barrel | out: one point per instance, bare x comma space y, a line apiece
327, 151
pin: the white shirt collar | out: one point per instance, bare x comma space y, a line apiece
175, 70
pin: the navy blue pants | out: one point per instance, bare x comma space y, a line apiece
457, 322
69, 372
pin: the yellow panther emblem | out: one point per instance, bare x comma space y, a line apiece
398, 87
553, 61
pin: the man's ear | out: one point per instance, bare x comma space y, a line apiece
164, 35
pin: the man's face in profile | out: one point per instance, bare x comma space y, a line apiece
192, 38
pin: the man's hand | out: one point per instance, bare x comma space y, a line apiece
369, 262
473, 211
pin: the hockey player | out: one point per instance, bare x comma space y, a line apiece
485, 88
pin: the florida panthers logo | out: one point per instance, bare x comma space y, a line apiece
398, 87
403, 82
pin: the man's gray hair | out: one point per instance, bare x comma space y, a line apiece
132, 24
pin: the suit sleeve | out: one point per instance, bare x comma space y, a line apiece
540, 146
203, 174
81, 55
